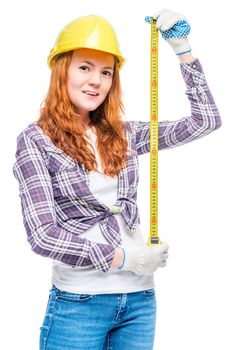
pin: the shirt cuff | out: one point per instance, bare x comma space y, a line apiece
193, 73
101, 256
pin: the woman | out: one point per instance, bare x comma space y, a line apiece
77, 168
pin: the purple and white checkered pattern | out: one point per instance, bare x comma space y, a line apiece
57, 205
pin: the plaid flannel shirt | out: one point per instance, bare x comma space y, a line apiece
57, 205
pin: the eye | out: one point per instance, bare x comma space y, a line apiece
109, 73
83, 67
106, 72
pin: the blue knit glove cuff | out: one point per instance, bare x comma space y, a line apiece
120, 268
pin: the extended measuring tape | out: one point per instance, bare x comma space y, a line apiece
153, 237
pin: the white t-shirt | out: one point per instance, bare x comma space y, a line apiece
92, 281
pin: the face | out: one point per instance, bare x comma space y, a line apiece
89, 70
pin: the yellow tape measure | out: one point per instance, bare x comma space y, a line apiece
153, 237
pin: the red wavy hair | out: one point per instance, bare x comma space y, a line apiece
62, 124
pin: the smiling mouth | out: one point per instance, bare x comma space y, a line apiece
90, 94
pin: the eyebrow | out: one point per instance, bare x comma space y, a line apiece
91, 64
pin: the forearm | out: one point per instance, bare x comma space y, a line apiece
204, 117
186, 57
118, 258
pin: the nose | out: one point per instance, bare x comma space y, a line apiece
95, 78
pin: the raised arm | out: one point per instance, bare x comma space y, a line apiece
204, 117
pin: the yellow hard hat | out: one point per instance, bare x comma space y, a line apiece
91, 32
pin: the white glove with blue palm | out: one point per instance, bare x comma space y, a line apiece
174, 28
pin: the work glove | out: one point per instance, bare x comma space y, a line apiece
174, 28
143, 259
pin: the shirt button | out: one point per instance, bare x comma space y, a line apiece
115, 209
129, 229
194, 66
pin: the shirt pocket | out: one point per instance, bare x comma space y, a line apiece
57, 159
67, 175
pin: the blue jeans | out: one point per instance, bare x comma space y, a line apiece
115, 321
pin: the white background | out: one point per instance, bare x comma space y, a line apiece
195, 291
